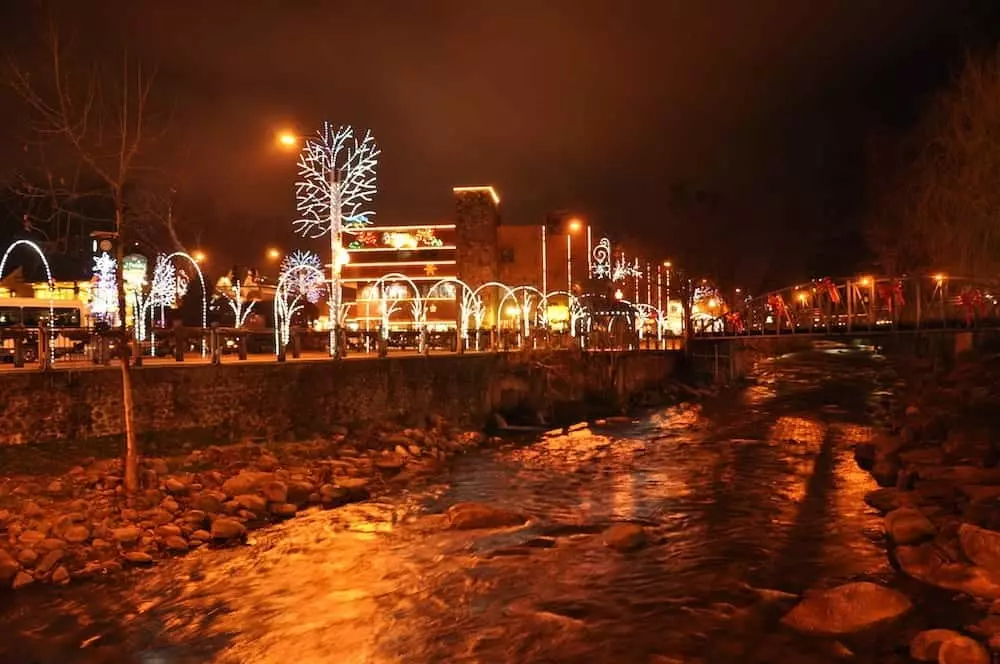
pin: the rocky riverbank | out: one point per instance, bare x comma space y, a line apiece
81, 524
936, 461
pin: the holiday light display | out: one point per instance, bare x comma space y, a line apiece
238, 299
305, 280
334, 195
104, 293
601, 266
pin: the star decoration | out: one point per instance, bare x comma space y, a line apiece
430, 269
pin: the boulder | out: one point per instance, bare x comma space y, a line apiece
49, 561
275, 492
76, 534
885, 470
847, 609
21, 580
208, 501
252, 503
981, 546
139, 558
389, 462
980, 494
244, 483
473, 516
283, 510
625, 537
887, 499
8, 568
962, 650
176, 544
126, 534
929, 564
298, 492
925, 646
224, 529
908, 525
60, 576
174, 486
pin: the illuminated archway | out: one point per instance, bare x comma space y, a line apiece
49, 280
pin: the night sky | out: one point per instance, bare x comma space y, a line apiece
755, 110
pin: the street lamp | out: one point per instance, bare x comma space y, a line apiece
199, 256
287, 139
574, 226
273, 254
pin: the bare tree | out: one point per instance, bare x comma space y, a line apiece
101, 120
942, 210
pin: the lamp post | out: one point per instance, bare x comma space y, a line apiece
574, 226
545, 266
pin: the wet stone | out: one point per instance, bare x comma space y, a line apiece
847, 609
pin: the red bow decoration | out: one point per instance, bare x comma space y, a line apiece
892, 293
777, 304
827, 287
972, 300
735, 321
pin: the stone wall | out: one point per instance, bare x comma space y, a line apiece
209, 404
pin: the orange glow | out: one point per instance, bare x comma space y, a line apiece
619, 294
667, 264
199, 256
287, 139
480, 189
865, 281
802, 297
273, 254
713, 303
575, 225
939, 278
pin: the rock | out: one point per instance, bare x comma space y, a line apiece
907, 525
887, 499
55, 487
927, 563
60, 576
176, 544
8, 568
48, 561
244, 483
472, 516
139, 558
126, 535
224, 529
208, 501
168, 530
847, 609
625, 537
925, 646
389, 462
283, 510
962, 650
201, 536
332, 496
21, 580
981, 546
52, 544
31, 538
980, 494
885, 470
174, 486
961, 475
77, 534
414, 450
267, 462
275, 492
252, 503
170, 505
27, 557
298, 493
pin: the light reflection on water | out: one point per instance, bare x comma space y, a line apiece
759, 487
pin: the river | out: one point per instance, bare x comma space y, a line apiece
754, 489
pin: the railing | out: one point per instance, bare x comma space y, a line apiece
862, 304
79, 348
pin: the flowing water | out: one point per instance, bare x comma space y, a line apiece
754, 489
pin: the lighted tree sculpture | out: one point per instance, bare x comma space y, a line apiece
301, 280
238, 296
335, 192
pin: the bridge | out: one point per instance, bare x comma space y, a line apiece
855, 306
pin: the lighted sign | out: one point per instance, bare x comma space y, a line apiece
134, 269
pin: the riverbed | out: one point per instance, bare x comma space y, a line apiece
751, 491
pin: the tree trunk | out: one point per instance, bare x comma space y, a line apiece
124, 358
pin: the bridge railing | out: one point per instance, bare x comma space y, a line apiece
856, 304
43, 348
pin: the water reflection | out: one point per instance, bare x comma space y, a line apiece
758, 488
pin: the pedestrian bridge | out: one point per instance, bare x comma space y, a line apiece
865, 305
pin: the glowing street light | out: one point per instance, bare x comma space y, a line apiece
287, 139
199, 256
273, 254
866, 281
939, 278
574, 226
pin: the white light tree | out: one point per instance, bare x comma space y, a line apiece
300, 280
163, 292
238, 297
336, 189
